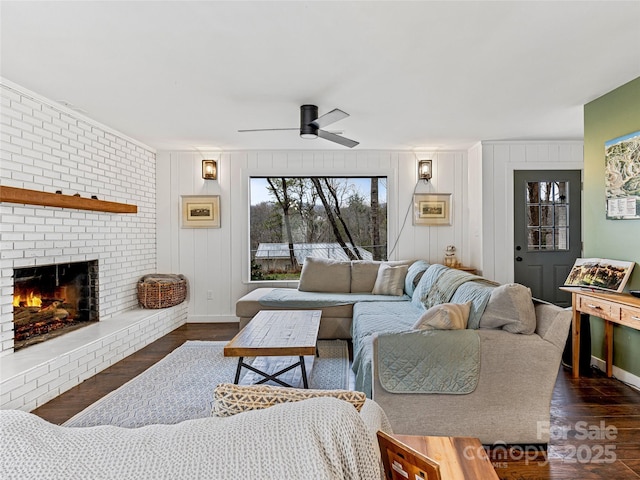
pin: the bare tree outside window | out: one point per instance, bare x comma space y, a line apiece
292, 218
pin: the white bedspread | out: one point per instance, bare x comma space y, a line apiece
319, 438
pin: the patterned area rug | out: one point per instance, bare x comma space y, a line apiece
180, 386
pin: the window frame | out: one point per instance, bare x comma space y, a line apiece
387, 175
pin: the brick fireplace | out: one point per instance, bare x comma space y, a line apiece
50, 300
48, 148
75, 155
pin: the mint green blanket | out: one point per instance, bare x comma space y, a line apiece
436, 361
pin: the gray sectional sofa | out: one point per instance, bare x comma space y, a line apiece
492, 380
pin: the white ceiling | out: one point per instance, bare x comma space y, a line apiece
187, 75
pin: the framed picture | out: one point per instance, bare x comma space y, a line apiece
600, 273
622, 177
432, 209
200, 211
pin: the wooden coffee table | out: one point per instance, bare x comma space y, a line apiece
276, 333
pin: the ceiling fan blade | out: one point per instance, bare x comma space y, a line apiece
337, 139
329, 118
267, 129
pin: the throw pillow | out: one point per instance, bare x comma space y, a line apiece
510, 308
390, 280
365, 272
414, 274
446, 316
230, 399
324, 275
363, 275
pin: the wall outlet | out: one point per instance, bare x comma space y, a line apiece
209, 294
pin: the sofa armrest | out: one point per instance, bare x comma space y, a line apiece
553, 323
511, 402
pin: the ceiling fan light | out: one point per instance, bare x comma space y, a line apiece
308, 113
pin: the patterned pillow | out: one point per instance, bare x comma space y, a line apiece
445, 316
390, 280
230, 399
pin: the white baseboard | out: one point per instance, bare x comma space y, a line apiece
212, 319
620, 374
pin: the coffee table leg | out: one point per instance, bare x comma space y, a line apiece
238, 371
304, 372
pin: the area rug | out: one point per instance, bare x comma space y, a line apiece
180, 386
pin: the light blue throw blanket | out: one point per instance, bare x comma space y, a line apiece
441, 284
292, 298
438, 361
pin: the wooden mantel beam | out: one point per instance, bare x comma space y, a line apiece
36, 197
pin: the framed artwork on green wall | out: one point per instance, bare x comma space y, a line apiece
622, 177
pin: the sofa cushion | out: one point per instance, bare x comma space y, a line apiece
414, 274
230, 399
510, 308
363, 275
323, 275
249, 305
390, 280
370, 318
446, 316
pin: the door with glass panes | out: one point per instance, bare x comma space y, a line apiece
547, 236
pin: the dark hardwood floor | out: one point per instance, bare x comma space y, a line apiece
595, 421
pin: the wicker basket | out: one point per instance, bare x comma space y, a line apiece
161, 290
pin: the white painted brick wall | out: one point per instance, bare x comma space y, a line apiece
47, 147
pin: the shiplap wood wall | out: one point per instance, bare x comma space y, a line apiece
216, 261
499, 160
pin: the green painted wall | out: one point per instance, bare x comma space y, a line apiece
612, 115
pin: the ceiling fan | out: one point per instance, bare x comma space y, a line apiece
311, 125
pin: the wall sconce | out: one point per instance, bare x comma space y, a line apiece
209, 169
424, 170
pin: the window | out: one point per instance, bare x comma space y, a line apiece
547, 216
292, 218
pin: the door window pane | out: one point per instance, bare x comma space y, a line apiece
534, 215
532, 194
561, 215
562, 239
547, 212
546, 192
546, 216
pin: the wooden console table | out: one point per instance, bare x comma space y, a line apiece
613, 308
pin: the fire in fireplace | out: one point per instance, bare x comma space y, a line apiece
50, 300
